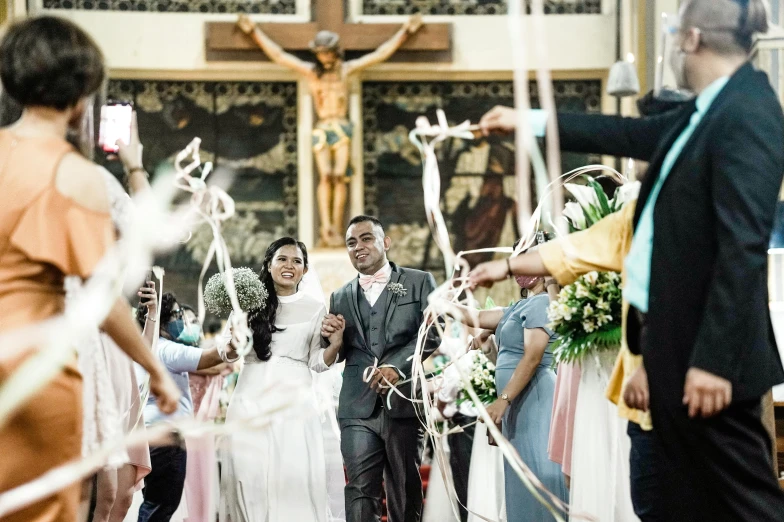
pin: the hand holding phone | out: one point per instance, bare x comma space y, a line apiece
116, 123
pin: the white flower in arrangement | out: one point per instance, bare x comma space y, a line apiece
589, 326
575, 213
585, 196
581, 292
591, 278
601, 304
625, 193
491, 366
603, 319
587, 310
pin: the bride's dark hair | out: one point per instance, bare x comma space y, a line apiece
262, 321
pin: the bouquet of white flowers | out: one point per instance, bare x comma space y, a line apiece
251, 292
587, 316
482, 376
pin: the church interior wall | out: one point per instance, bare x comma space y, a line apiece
158, 60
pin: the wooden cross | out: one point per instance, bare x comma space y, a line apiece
432, 43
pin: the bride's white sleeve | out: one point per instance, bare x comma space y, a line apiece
316, 352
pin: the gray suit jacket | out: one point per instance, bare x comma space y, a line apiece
403, 316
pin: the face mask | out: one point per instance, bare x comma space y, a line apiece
190, 334
527, 282
175, 328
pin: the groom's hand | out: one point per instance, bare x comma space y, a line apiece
378, 384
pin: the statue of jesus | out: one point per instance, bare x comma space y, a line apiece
329, 78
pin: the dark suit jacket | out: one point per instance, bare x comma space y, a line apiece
404, 315
712, 224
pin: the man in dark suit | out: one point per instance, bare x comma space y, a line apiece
383, 311
697, 268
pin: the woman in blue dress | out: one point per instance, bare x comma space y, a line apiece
526, 384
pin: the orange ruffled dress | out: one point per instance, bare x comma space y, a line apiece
44, 236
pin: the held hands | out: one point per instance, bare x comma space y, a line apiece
149, 298
245, 24
636, 394
706, 394
332, 327
499, 120
488, 273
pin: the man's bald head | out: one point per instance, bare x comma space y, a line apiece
726, 26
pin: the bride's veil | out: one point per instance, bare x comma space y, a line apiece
327, 388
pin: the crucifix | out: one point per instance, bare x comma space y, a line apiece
328, 79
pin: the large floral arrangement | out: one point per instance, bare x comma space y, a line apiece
587, 314
251, 292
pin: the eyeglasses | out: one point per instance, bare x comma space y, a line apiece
176, 314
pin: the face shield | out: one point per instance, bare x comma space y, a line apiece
670, 67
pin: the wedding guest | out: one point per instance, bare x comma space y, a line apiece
164, 485
526, 383
116, 483
57, 223
700, 235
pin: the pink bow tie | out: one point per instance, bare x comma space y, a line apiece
367, 281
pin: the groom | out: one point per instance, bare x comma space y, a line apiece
383, 310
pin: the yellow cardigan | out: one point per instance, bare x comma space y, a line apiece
603, 248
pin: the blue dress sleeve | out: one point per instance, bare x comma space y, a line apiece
534, 314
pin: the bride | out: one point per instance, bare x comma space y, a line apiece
278, 474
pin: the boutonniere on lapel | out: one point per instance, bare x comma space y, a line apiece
397, 289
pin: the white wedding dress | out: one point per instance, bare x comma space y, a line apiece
600, 449
278, 474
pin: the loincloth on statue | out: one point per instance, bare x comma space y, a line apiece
332, 134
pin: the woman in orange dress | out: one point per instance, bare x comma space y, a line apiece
54, 222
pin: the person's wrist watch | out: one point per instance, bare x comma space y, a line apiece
505, 397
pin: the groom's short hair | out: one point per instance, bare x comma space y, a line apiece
366, 219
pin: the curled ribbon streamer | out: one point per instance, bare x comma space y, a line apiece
425, 136
214, 206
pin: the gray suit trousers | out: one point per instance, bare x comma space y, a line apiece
381, 448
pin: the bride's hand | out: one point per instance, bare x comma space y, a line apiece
338, 324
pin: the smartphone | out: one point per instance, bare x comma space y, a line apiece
116, 117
